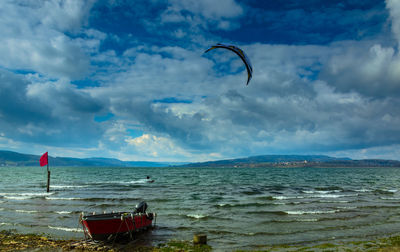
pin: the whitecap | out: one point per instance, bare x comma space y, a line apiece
68, 186
311, 212
321, 192
63, 212
287, 197
336, 201
306, 220
390, 198
346, 207
17, 197
363, 190
36, 194
196, 216
24, 196
333, 195
76, 230
59, 198
26, 211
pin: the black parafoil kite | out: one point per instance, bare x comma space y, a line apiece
240, 53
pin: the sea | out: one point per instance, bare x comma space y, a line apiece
237, 208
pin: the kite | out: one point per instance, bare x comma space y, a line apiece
240, 53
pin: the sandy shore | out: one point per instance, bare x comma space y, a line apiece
11, 241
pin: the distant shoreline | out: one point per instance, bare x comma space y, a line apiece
13, 159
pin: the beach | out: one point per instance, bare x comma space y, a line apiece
11, 241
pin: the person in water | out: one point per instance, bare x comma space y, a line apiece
149, 180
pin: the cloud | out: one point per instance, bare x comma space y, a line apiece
51, 112
205, 13
32, 37
394, 10
208, 13
169, 101
284, 109
372, 70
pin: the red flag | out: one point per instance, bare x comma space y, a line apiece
44, 159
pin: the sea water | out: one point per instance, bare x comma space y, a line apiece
238, 208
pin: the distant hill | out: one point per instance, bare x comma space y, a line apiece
10, 158
296, 161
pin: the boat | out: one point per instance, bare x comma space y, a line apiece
110, 226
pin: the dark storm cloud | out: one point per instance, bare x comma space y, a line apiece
47, 113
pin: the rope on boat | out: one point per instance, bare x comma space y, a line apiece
127, 226
85, 231
118, 230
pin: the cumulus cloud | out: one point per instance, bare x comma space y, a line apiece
394, 10
205, 13
32, 37
285, 108
200, 15
368, 69
52, 112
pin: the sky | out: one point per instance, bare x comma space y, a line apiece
130, 79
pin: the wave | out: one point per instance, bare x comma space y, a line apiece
197, 216
329, 188
287, 197
321, 192
132, 182
280, 221
390, 198
75, 230
26, 211
17, 197
63, 212
385, 191
24, 196
363, 190
250, 204
63, 198
334, 195
68, 186
334, 201
311, 212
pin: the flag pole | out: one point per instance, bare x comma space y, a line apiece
48, 177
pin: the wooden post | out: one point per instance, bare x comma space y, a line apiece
48, 178
200, 239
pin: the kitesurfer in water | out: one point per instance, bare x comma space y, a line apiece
149, 180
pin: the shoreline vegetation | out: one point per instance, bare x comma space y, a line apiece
13, 241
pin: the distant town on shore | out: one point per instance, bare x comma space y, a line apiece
10, 158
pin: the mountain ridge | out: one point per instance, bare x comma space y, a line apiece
10, 158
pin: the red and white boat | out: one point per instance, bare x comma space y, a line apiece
109, 226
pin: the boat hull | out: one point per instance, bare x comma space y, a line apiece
113, 225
